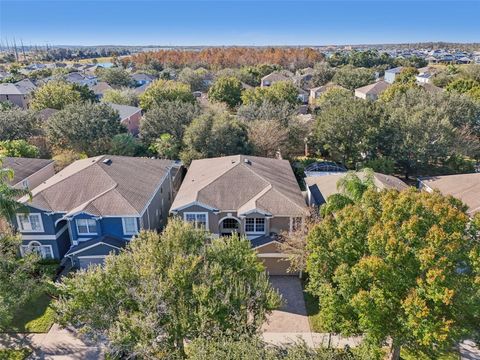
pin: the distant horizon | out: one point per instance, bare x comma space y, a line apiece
238, 23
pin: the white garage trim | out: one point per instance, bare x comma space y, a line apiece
92, 257
272, 255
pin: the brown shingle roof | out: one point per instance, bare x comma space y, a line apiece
24, 167
123, 186
465, 187
374, 89
243, 184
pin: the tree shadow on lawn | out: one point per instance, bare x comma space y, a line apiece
35, 316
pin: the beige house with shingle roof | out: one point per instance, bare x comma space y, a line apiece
253, 196
319, 188
465, 187
372, 91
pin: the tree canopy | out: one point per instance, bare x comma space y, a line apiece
278, 92
16, 124
214, 134
351, 77
55, 95
164, 289
87, 128
165, 90
227, 90
400, 266
115, 77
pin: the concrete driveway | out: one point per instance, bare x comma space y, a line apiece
291, 317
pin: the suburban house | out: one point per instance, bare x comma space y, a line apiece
252, 196
18, 93
100, 88
81, 79
272, 78
319, 188
142, 79
95, 205
129, 116
391, 74
28, 173
465, 187
316, 92
372, 91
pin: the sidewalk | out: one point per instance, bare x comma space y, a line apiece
312, 339
58, 343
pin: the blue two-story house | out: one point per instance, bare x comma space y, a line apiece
94, 206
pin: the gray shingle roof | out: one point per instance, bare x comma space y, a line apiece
24, 167
465, 187
243, 184
374, 89
124, 186
105, 245
322, 187
125, 111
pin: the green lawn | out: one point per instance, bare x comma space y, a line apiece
35, 316
311, 303
14, 354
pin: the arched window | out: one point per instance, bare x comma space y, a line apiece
44, 251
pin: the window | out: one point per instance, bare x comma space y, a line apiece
296, 223
86, 226
199, 219
30, 222
25, 184
130, 226
230, 223
44, 251
255, 225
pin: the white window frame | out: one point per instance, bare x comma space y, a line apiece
255, 225
24, 249
25, 184
20, 223
196, 214
88, 227
125, 232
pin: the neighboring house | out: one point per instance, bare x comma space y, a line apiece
432, 88
28, 173
372, 91
253, 196
273, 78
465, 187
424, 78
81, 79
95, 205
18, 93
316, 92
391, 74
319, 188
303, 95
142, 79
130, 116
100, 88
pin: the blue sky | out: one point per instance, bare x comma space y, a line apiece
128, 22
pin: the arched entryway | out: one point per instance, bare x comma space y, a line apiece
229, 225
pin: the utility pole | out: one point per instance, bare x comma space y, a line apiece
15, 47
23, 50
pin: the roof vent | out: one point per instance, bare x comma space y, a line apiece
107, 161
248, 162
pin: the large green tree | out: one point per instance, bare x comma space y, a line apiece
19, 278
165, 289
16, 124
279, 92
351, 77
214, 134
116, 77
399, 268
347, 128
122, 96
195, 78
87, 128
55, 95
18, 148
227, 90
165, 90
168, 117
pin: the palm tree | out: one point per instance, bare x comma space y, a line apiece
352, 187
9, 196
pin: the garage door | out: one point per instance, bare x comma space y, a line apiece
277, 266
85, 262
